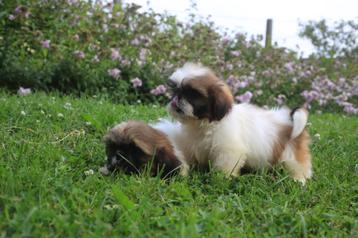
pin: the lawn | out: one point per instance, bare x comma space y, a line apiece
50, 144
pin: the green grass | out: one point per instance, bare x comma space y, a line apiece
44, 191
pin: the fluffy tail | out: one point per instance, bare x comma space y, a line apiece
299, 120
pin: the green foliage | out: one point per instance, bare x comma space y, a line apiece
338, 40
86, 48
50, 187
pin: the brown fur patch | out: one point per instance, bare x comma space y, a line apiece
152, 142
301, 148
218, 94
282, 140
144, 136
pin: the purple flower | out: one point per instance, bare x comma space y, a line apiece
125, 62
289, 67
310, 95
136, 82
18, 9
45, 44
11, 17
24, 91
236, 53
79, 54
114, 73
27, 14
72, 2
135, 42
115, 54
350, 109
246, 97
160, 89
143, 55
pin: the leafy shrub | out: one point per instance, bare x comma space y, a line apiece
74, 46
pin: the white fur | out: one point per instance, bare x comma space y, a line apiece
246, 136
173, 131
299, 172
300, 120
189, 70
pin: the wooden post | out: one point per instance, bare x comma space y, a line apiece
268, 39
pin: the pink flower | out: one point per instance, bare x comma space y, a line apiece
136, 82
115, 54
114, 73
24, 91
11, 17
160, 89
45, 44
79, 54
246, 97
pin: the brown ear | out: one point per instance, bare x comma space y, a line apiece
221, 101
167, 161
144, 146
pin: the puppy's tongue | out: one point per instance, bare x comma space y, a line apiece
174, 102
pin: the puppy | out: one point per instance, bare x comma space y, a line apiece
229, 136
133, 145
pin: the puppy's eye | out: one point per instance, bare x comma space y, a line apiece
172, 87
192, 94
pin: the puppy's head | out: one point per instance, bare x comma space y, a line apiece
132, 145
197, 94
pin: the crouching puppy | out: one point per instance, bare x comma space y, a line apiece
134, 146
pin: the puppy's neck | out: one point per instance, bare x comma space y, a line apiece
199, 126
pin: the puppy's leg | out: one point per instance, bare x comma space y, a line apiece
229, 163
297, 158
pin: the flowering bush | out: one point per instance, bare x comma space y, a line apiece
75, 46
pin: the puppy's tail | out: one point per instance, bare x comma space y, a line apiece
299, 118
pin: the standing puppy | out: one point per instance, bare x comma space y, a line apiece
133, 145
230, 136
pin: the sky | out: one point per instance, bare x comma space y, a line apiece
250, 16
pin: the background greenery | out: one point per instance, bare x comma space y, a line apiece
90, 49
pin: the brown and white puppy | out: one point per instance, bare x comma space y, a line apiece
229, 136
134, 145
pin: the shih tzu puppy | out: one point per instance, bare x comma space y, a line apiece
134, 145
229, 136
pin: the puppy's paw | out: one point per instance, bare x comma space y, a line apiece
301, 180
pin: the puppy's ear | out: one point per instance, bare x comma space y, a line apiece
167, 161
221, 101
146, 147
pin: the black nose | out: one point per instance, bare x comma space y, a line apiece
112, 162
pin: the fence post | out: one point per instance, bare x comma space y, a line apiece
268, 39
